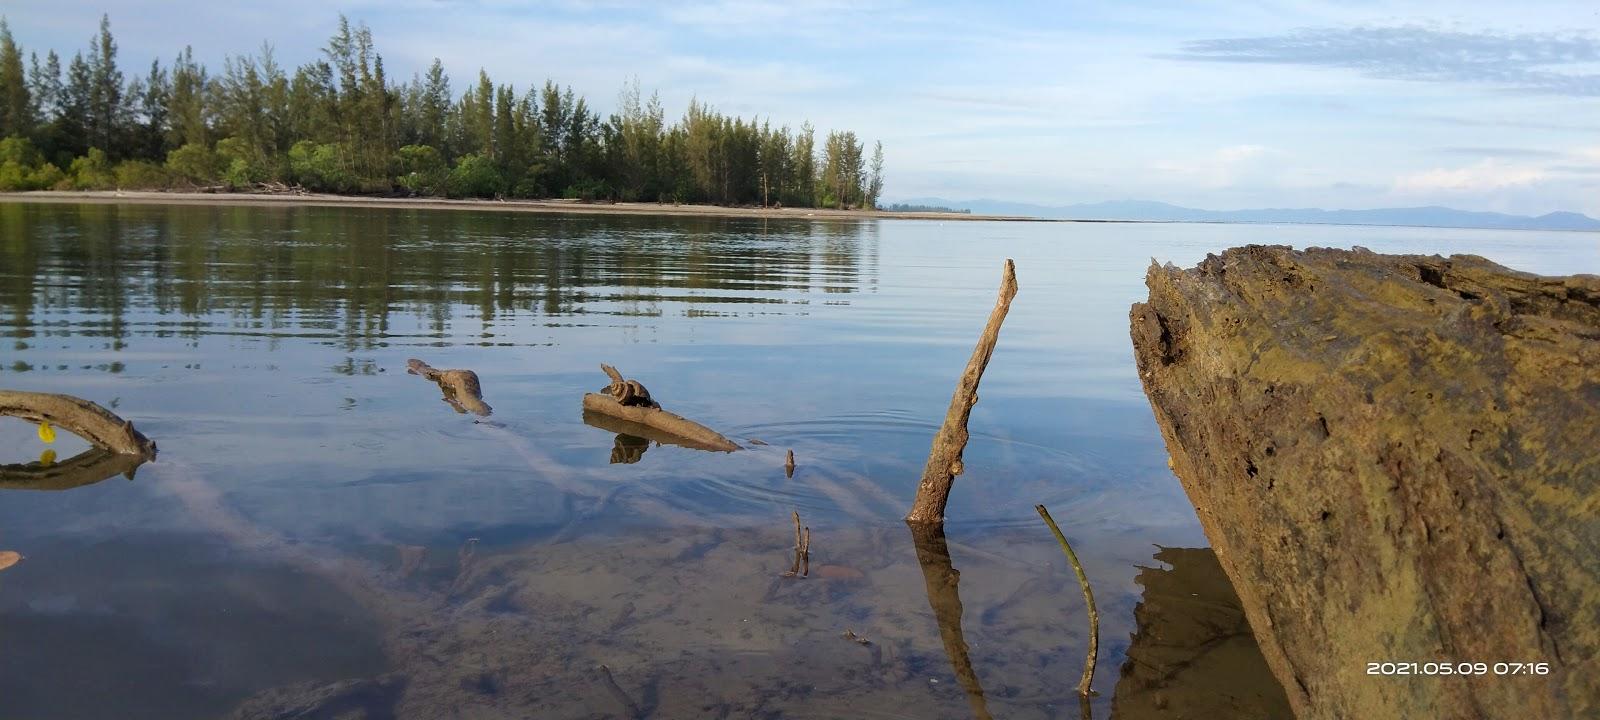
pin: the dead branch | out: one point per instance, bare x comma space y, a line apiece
688, 432
101, 427
460, 387
944, 458
788, 465
1088, 599
629, 400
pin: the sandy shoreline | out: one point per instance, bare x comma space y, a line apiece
533, 206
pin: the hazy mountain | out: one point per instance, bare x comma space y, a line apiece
1159, 211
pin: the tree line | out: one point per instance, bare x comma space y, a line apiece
339, 124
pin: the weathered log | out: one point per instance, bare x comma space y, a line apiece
687, 432
650, 433
101, 427
1395, 459
85, 468
944, 458
460, 387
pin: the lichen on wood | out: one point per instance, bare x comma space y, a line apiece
944, 458
1395, 459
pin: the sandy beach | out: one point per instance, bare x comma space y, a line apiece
532, 206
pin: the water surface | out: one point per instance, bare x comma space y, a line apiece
319, 528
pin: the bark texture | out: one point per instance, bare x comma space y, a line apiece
682, 430
93, 423
944, 458
460, 387
1397, 458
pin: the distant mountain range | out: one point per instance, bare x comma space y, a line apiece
1164, 212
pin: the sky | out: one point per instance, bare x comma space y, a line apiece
1218, 105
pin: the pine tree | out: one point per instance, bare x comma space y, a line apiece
16, 106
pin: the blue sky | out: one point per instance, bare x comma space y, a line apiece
1221, 105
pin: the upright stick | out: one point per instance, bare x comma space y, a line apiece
1088, 599
944, 458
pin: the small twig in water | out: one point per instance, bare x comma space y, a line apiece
805, 554
853, 637
788, 465
799, 545
1088, 599
620, 694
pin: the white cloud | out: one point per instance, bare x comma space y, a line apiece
1484, 176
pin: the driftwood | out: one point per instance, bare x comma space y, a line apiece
788, 465
641, 431
628, 400
944, 458
460, 387
101, 427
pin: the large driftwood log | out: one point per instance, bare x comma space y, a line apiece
101, 427
944, 458
1395, 459
460, 387
628, 400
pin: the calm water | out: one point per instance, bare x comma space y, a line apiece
320, 531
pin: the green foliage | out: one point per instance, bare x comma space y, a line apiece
92, 172
338, 124
195, 164
422, 170
322, 167
241, 163
142, 175
22, 167
474, 176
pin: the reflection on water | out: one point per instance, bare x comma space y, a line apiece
321, 533
1193, 650
85, 468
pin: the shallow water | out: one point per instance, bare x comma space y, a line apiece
320, 529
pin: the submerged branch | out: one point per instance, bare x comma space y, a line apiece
944, 596
1088, 599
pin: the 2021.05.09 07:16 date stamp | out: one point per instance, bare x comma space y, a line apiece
1458, 668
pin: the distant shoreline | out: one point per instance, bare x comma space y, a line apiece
109, 197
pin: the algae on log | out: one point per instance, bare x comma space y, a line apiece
1396, 460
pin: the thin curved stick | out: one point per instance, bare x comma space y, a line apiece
1088, 599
